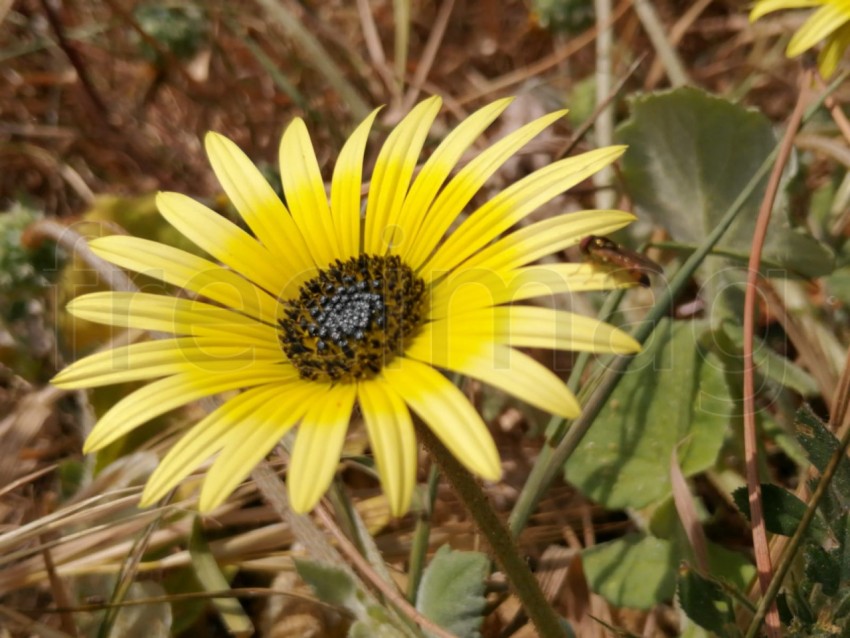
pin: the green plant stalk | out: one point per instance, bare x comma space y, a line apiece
506, 553
401, 20
547, 467
419, 547
794, 544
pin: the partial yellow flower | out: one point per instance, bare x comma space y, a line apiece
830, 24
318, 310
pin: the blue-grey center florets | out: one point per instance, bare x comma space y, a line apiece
352, 318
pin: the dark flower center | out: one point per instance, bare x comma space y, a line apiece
352, 318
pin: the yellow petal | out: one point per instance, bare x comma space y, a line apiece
447, 412
318, 445
514, 203
393, 441
501, 367
162, 396
460, 190
533, 327
820, 25
258, 204
207, 437
546, 237
247, 446
438, 167
225, 241
169, 314
164, 357
763, 7
345, 189
188, 271
468, 289
305, 193
391, 177
832, 52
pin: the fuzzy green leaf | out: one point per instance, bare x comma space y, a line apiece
690, 155
452, 591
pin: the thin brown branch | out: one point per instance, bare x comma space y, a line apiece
760, 544
74, 58
394, 596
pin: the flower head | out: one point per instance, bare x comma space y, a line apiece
318, 310
830, 24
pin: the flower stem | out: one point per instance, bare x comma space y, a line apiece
420, 536
506, 553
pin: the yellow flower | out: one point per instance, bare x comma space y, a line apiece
317, 310
830, 23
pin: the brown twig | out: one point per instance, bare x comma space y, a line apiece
74, 58
760, 543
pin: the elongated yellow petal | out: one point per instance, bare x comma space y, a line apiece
832, 52
820, 25
245, 448
447, 412
546, 237
393, 441
318, 445
514, 203
188, 271
168, 314
345, 189
152, 359
225, 241
500, 366
464, 290
391, 177
305, 193
164, 395
438, 167
763, 7
460, 190
258, 204
533, 327
207, 437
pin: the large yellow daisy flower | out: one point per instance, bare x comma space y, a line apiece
319, 309
830, 24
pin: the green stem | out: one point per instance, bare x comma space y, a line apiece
421, 535
506, 553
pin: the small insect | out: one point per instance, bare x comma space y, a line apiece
609, 253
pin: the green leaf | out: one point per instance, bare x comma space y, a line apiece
690, 155
333, 586
770, 363
706, 603
820, 444
634, 571
209, 575
824, 567
452, 591
674, 394
783, 511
